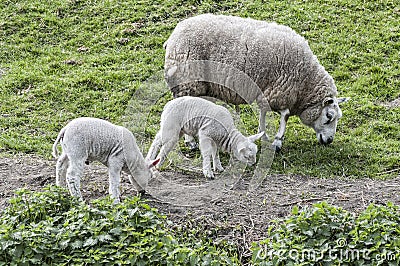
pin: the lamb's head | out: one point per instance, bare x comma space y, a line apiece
144, 172
246, 150
323, 118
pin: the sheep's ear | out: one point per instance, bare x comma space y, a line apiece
328, 101
154, 163
343, 100
255, 137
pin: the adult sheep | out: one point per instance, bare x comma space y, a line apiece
275, 64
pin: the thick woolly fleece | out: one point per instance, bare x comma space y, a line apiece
211, 123
274, 56
92, 139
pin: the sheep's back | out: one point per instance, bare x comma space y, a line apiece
192, 113
93, 137
274, 56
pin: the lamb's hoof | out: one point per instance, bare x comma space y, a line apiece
219, 169
141, 193
208, 174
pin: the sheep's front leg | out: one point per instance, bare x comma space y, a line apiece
61, 170
277, 144
114, 172
74, 173
206, 151
166, 148
154, 148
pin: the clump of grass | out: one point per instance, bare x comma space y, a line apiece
64, 59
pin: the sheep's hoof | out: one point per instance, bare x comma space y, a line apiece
219, 169
141, 193
208, 174
277, 145
116, 201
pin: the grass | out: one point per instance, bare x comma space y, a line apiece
65, 59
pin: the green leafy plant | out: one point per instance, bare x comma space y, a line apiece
328, 235
50, 227
377, 231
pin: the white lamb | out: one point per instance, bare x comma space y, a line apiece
211, 123
88, 139
287, 75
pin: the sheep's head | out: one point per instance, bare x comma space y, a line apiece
323, 118
247, 151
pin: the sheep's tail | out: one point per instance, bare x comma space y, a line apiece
59, 137
165, 44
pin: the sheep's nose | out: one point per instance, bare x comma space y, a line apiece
329, 140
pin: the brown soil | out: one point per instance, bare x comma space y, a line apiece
240, 216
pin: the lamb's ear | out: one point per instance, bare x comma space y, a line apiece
328, 101
343, 100
154, 163
255, 137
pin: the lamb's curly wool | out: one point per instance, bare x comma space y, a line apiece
211, 123
273, 56
87, 139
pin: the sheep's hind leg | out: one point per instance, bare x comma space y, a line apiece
277, 144
264, 107
61, 170
74, 173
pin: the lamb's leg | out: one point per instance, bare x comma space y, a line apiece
206, 151
166, 148
61, 170
74, 173
154, 148
217, 166
114, 173
277, 144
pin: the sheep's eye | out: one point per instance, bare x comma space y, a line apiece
329, 116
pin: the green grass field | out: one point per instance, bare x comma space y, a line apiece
64, 59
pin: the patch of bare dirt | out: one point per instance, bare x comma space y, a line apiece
239, 215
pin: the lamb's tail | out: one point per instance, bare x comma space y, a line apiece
59, 137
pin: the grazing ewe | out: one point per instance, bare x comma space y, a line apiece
211, 123
88, 139
286, 74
